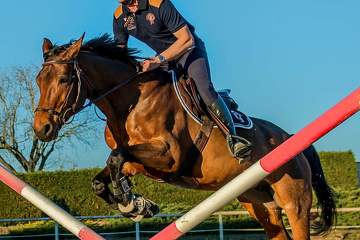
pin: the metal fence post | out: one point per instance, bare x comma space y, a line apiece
221, 228
57, 237
137, 231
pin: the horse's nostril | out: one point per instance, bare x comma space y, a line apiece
47, 130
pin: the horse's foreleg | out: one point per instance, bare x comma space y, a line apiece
131, 205
100, 185
120, 183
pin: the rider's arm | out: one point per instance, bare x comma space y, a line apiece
184, 41
177, 25
120, 35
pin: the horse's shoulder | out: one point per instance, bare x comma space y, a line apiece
118, 12
155, 3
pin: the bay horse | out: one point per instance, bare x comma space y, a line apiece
150, 133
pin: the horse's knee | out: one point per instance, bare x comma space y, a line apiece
116, 159
97, 186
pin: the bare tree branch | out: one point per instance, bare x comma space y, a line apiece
5, 164
17, 154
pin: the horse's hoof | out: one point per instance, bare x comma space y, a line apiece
151, 209
139, 208
146, 207
137, 218
128, 208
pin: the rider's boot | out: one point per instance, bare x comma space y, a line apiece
238, 146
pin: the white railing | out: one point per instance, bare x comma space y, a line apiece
137, 229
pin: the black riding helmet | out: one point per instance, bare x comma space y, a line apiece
126, 2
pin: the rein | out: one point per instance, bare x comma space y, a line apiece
62, 113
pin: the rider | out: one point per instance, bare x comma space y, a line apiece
158, 24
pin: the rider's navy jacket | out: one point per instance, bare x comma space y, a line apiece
154, 24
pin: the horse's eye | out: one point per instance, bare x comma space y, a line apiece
64, 79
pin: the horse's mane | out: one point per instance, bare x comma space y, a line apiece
103, 46
107, 47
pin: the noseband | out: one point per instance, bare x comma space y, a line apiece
74, 78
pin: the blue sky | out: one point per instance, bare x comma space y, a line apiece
286, 61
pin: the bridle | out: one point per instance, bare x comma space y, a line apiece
77, 77
65, 109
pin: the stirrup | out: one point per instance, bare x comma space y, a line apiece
239, 147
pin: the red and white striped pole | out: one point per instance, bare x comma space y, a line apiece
48, 207
272, 161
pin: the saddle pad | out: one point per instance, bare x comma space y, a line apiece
241, 120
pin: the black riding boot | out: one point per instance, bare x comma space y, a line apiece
238, 146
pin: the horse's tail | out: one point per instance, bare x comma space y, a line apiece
324, 194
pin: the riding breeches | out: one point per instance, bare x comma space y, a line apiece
196, 65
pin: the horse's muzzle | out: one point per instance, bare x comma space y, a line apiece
46, 131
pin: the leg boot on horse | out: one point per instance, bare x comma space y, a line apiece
129, 204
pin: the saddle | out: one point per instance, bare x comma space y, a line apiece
193, 104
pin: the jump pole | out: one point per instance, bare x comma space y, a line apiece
269, 163
47, 206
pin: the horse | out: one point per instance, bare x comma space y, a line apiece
150, 133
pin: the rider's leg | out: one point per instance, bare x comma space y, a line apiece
239, 146
196, 64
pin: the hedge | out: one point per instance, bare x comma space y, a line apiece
340, 169
72, 190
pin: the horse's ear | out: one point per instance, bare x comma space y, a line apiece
47, 46
75, 48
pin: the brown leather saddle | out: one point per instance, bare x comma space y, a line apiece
191, 101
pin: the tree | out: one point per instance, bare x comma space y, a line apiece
18, 144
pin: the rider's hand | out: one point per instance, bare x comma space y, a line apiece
150, 64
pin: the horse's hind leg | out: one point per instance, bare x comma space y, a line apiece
268, 214
293, 194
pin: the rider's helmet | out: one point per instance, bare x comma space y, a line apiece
126, 2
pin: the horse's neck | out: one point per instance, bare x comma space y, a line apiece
103, 75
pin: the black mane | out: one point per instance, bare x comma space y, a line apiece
103, 46
107, 47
